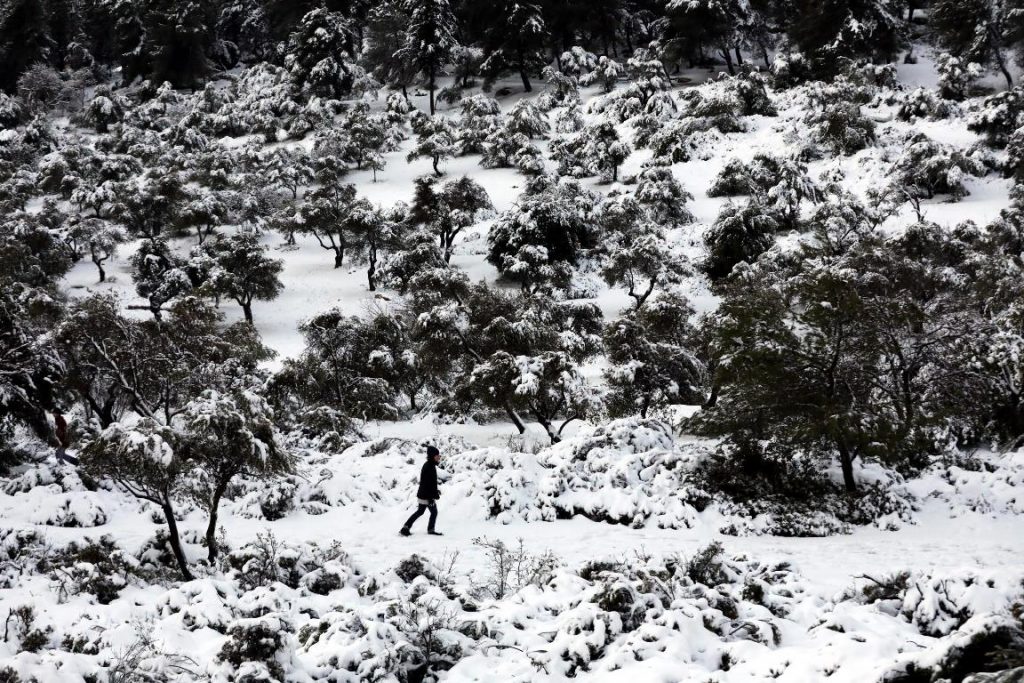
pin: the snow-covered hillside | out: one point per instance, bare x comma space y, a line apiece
714, 312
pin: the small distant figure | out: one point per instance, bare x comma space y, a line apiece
427, 494
63, 440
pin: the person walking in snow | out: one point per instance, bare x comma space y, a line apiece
427, 494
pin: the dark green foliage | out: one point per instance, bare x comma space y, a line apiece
652, 361
833, 31
515, 41
740, 234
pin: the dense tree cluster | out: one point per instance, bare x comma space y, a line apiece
195, 137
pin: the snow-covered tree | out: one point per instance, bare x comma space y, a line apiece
100, 239
436, 139
664, 197
225, 435
447, 211
238, 268
481, 114
606, 72
143, 460
653, 363
515, 41
429, 39
977, 31
548, 387
537, 242
641, 261
325, 215
385, 28
596, 150
160, 275
319, 55
741, 233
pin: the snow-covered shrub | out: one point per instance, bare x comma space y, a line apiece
261, 644
664, 197
20, 626
512, 568
94, 567
922, 103
605, 72
740, 233
277, 500
956, 76
267, 561
790, 69
750, 92
925, 169
998, 116
10, 111
104, 109
841, 128
684, 139
480, 116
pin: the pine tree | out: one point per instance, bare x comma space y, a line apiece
319, 55
429, 40
515, 42
240, 269
24, 39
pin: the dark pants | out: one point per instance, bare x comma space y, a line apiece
432, 506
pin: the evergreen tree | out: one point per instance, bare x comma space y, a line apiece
179, 38
239, 268
652, 364
515, 42
827, 32
429, 40
24, 39
978, 30
319, 55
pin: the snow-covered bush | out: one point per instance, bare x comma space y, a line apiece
998, 116
956, 76
841, 128
925, 169
664, 197
740, 233
480, 116
922, 103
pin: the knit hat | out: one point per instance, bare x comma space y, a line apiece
432, 451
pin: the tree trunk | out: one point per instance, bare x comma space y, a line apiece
371, 272
103, 273
526, 80
515, 418
211, 527
339, 257
739, 55
437, 171
432, 86
175, 539
728, 60
846, 463
247, 311
552, 434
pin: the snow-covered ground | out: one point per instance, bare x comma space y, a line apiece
961, 534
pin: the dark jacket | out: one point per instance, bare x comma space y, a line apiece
428, 482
